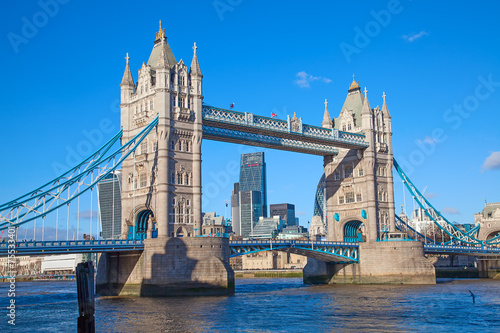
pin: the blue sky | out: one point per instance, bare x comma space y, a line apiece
438, 63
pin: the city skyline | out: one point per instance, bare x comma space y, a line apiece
61, 99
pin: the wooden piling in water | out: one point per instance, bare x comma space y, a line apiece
86, 303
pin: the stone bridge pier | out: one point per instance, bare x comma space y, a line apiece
168, 267
394, 262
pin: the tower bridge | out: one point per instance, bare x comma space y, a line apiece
164, 121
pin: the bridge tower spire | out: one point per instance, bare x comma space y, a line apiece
127, 85
327, 121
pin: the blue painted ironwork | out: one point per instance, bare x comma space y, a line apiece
457, 235
339, 252
72, 184
247, 128
479, 250
76, 246
142, 224
351, 231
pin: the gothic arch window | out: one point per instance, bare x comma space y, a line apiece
187, 145
172, 178
349, 126
180, 145
360, 172
172, 145
179, 178
348, 171
187, 178
337, 175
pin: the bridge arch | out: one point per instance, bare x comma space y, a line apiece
143, 223
492, 234
181, 232
352, 231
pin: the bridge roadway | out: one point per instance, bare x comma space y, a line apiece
324, 251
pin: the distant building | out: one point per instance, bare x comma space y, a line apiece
61, 264
213, 225
235, 209
109, 191
271, 260
293, 232
253, 176
268, 227
286, 211
317, 229
250, 211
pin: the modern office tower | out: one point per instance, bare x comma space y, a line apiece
250, 211
253, 176
235, 209
110, 204
286, 211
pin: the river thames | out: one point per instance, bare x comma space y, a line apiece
269, 305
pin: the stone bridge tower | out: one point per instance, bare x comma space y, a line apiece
161, 191
161, 194
359, 184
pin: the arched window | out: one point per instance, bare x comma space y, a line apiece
180, 145
187, 145
172, 145
187, 178
337, 175
172, 178
179, 178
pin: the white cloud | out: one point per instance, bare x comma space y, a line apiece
414, 36
300, 213
450, 210
492, 162
430, 195
304, 80
430, 140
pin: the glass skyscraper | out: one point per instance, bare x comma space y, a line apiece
110, 205
253, 176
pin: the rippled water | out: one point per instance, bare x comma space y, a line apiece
269, 305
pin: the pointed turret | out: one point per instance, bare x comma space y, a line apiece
327, 121
385, 110
366, 105
127, 80
162, 59
161, 46
195, 66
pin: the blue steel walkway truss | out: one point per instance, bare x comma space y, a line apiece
325, 251
249, 129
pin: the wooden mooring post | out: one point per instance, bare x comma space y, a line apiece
86, 303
